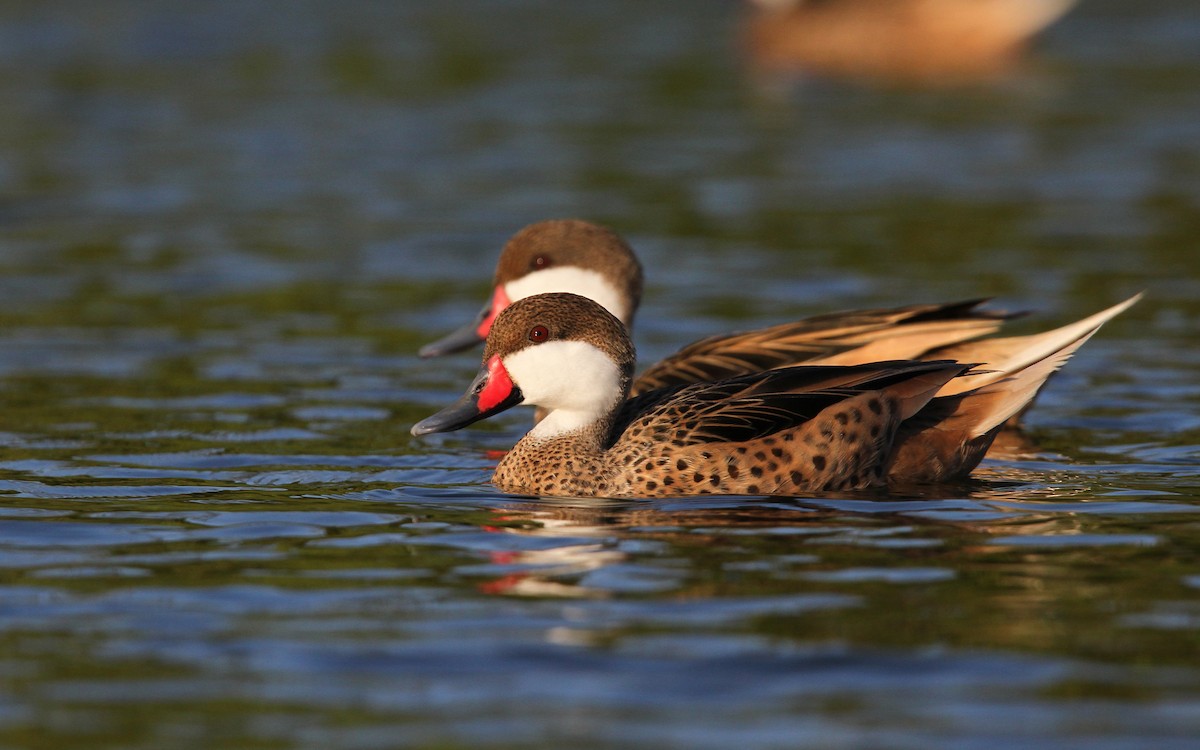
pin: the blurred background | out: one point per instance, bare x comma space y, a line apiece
226, 227
159, 160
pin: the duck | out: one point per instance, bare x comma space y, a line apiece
585, 258
902, 41
782, 431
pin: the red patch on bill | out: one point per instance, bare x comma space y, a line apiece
499, 386
500, 301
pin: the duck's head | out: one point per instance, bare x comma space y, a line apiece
560, 351
560, 255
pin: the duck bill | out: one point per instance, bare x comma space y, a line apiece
473, 333
492, 392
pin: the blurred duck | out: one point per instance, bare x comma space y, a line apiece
894, 40
775, 432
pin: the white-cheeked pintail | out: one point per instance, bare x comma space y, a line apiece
775, 432
571, 255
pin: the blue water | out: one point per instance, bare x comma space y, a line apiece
226, 229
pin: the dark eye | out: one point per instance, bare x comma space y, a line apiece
541, 262
538, 334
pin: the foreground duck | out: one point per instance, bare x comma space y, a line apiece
775, 432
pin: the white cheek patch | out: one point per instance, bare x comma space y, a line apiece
576, 382
571, 279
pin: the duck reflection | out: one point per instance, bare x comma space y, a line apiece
623, 529
898, 41
546, 566
603, 540
1011, 570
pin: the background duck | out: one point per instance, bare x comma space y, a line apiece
571, 255
580, 257
901, 40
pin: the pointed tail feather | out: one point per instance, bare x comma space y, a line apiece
990, 406
948, 438
1005, 356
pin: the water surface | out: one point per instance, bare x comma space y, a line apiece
225, 230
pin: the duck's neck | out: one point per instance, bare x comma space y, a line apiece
564, 454
551, 460
583, 425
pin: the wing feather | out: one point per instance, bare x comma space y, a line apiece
762, 403
842, 338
